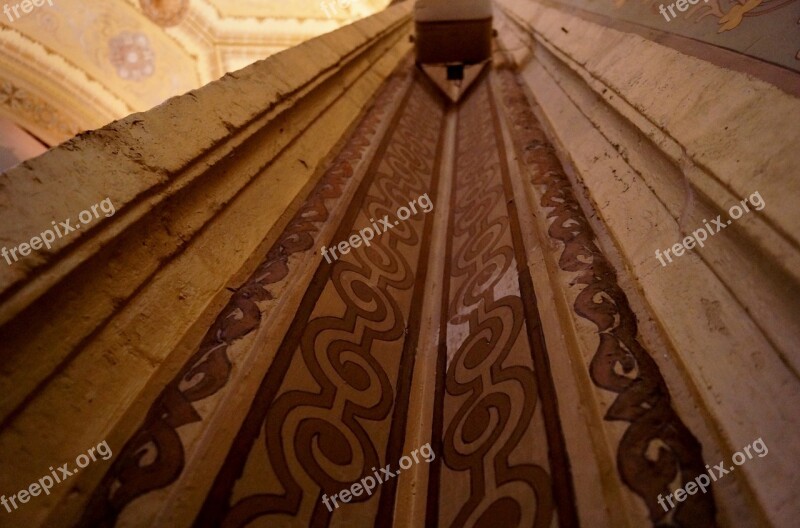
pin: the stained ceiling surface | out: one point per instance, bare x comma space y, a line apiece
73, 65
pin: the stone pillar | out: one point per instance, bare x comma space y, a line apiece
201, 186
666, 141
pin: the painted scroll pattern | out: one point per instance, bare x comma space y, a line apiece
491, 391
327, 411
154, 457
656, 447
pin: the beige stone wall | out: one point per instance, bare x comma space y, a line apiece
657, 141
202, 185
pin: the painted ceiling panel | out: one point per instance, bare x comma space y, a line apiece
89, 62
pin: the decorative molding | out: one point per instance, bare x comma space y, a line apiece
165, 13
77, 103
645, 136
656, 447
33, 113
202, 40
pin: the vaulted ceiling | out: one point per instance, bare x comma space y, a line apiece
79, 64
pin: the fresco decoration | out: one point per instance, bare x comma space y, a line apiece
118, 56
494, 441
165, 13
331, 407
115, 46
76, 103
764, 29
620, 364
308, 9
132, 56
184, 401
334, 402
34, 113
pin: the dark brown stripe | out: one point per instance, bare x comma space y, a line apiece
560, 469
397, 431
